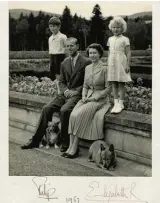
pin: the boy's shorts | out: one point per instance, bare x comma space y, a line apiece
55, 63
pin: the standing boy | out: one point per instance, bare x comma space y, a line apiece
57, 43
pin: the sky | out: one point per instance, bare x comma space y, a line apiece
84, 8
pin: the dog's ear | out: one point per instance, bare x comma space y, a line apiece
58, 123
102, 147
55, 128
111, 148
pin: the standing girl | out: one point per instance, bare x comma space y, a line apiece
118, 61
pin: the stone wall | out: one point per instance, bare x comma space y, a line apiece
130, 132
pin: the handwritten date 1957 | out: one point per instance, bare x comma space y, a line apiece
72, 200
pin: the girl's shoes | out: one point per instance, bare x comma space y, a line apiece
118, 107
116, 102
114, 109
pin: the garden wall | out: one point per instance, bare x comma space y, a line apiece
130, 132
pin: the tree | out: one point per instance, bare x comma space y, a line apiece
108, 32
137, 32
22, 30
148, 35
85, 29
126, 19
97, 26
41, 31
31, 32
67, 22
21, 17
12, 33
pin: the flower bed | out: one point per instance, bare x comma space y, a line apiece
137, 99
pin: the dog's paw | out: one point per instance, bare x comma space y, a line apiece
90, 160
41, 146
47, 147
56, 146
112, 169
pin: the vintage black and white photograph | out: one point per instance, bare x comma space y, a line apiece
80, 88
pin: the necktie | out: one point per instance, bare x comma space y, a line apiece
72, 63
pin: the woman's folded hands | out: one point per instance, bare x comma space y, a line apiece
90, 99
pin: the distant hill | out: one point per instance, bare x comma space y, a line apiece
15, 13
149, 13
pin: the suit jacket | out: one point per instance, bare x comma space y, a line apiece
73, 80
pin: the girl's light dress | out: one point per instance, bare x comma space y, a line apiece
117, 60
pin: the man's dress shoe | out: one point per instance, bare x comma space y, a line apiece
29, 145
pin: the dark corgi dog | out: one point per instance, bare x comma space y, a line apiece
103, 155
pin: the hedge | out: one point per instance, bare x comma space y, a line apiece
45, 54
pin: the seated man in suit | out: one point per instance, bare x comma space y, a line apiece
70, 83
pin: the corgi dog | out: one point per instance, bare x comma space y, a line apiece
51, 136
103, 155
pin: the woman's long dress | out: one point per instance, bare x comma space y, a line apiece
87, 120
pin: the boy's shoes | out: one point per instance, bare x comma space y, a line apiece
29, 145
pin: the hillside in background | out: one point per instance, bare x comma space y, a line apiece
15, 13
141, 14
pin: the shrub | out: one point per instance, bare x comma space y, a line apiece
137, 98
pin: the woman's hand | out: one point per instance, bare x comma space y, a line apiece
127, 69
91, 99
84, 100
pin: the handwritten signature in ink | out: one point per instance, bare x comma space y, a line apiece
112, 193
44, 188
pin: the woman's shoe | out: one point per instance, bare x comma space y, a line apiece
70, 156
64, 154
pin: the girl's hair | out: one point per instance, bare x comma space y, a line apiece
120, 21
98, 47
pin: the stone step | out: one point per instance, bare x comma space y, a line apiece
124, 167
130, 132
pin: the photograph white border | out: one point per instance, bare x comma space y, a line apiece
18, 189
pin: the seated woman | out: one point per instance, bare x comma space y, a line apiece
87, 118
